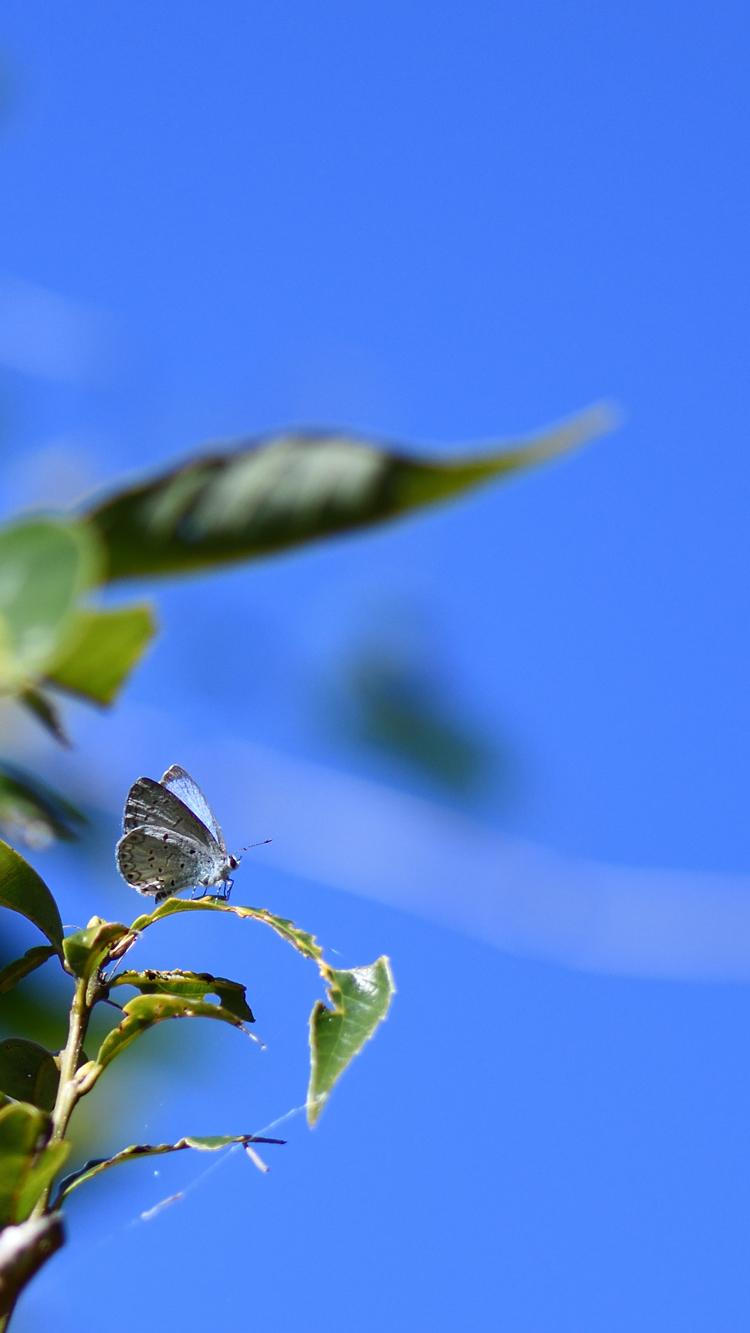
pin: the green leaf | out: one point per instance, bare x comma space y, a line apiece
14, 972
288, 489
22, 890
45, 564
360, 999
28, 1072
41, 1175
24, 1131
146, 1010
108, 645
87, 949
192, 985
304, 943
34, 811
136, 1150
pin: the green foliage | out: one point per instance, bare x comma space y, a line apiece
27, 1165
28, 1073
360, 999
14, 972
193, 986
260, 498
45, 564
22, 890
138, 1150
146, 1010
289, 489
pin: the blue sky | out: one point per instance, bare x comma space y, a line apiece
441, 224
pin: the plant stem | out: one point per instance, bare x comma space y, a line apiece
68, 1091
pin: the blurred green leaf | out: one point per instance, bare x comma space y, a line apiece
45, 564
14, 972
28, 1072
191, 985
104, 652
87, 949
400, 711
22, 890
45, 711
206, 1144
23, 1132
146, 1010
294, 488
33, 810
304, 943
41, 1174
360, 999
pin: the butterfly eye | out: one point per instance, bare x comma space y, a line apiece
233, 863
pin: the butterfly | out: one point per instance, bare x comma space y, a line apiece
171, 839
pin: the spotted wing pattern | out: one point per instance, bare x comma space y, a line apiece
180, 784
160, 862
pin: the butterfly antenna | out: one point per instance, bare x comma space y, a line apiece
253, 844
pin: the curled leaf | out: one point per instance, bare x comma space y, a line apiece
146, 1010
88, 949
138, 1150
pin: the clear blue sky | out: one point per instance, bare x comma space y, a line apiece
441, 223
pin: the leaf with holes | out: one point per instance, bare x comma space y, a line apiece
283, 490
360, 999
191, 985
299, 939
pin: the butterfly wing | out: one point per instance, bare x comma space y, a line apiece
148, 802
181, 785
161, 862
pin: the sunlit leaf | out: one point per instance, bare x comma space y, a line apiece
23, 1133
360, 998
104, 652
86, 949
33, 811
22, 890
284, 490
45, 564
28, 1072
146, 1010
14, 972
205, 1144
191, 985
300, 939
